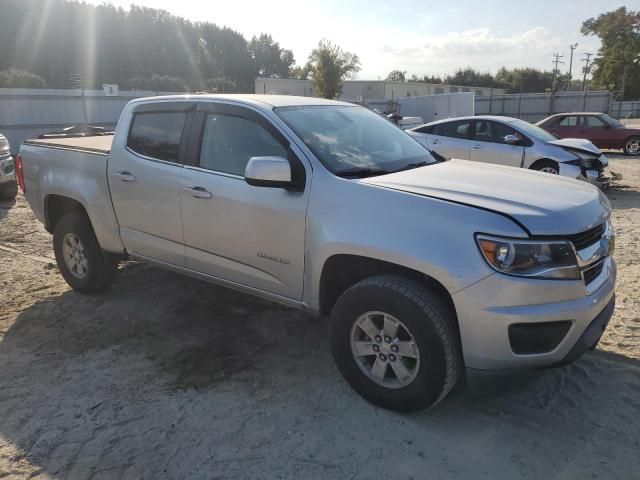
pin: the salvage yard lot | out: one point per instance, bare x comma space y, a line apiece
168, 377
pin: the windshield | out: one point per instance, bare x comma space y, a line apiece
350, 139
612, 121
533, 131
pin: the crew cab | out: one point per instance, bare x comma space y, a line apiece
425, 267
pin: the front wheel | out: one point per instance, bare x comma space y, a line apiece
82, 263
632, 146
547, 166
393, 341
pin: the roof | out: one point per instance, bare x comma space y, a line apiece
579, 114
261, 100
474, 117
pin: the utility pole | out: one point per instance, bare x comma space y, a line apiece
556, 70
572, 47
586, 69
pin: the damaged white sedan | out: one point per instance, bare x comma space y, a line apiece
514, 142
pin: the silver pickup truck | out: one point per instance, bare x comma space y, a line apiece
425, 267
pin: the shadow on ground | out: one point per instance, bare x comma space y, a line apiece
169, 377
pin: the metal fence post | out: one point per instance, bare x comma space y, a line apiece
84, 107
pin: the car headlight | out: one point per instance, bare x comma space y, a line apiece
530, 258
4, 146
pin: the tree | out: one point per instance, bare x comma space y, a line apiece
13, 78
468, 77
524, 80
329, 65
425, 79
617, 65
270, 60
397, 76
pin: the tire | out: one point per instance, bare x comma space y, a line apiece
437, 363
98, 268
9, 192
632, 146
547, 166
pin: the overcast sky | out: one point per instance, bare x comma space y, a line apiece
422, 37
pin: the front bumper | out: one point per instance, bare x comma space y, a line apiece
489, 307
7, 170
595, 176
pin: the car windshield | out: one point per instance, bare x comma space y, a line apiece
612, 121
354, 140
534, 131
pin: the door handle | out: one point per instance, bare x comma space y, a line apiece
476, 147
198, 192
126, 176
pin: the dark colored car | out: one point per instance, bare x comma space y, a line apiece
600, 128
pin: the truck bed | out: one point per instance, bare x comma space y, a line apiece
94, 144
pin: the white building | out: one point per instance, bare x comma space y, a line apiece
367, 90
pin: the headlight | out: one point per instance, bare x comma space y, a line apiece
4, 146
526, 258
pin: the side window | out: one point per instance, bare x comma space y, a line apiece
568, 122
487, 131
157, 134
426, 129
229, 141
592, 122
452, 129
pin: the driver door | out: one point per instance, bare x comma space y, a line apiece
489, 145
248, 235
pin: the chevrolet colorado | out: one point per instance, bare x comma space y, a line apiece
424, 267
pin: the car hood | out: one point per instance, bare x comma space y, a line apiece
576, 143
544, 204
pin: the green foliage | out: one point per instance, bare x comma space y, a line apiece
425, 79
329, 66
13, 78
270, 60
469, 77
59, 40
397, 76
618, 62
159, 83
524, 80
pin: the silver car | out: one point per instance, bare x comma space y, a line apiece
513, 142
8, 186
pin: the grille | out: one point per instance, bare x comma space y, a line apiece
584, 239
591, 273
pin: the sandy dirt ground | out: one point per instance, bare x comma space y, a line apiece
168, 377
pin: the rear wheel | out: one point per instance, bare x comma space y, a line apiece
632, 146
83, 264
547, 166
393, 340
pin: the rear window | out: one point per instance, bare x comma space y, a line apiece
157, 135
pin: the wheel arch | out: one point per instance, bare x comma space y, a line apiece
341, 271
56, 206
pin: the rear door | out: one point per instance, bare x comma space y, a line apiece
144, 179
489, 144
450, 139
253, 236
595, 129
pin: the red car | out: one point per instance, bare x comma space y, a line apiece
600, 128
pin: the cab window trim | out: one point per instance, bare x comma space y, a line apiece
186, 109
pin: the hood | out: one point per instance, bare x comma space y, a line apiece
576, 143
545, 204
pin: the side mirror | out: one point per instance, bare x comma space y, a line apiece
511, 139
272, 172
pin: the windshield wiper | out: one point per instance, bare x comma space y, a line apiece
362, 172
